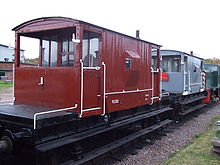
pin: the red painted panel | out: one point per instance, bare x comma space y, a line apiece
122, 101
60, 89
157, 84
91, 88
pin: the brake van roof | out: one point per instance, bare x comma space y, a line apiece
49, 23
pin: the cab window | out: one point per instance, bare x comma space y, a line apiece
171, 64
58, 49
91, 49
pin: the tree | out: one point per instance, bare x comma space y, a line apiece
212, 61
31, 60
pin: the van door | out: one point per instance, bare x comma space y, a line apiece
91, 71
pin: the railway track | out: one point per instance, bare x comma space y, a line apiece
94, 144
159, 145
130, 133
136, 140
105, 141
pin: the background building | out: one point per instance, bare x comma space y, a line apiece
7, 60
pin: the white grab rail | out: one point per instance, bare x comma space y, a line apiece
104, 87
52, 111
152, 85
81, 90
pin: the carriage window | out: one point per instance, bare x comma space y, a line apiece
154, 55
52, 40
128, 63
45, 52
91, 49
54, 45
49, 51
67, 52
154, 63
171, 64
201, 67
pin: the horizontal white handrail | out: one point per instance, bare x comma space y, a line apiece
195, 84
51, 111
91, 109
133, 91
166, 93
92, 68
155, 71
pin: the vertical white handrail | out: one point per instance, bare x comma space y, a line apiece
104, 87
81, 90
152, 84
52, 111
161, 85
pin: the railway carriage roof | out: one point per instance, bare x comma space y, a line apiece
176, 52
64, 22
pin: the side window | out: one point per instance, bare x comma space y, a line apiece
49, 51
154, 56
91, 49
67, 51
57, 48
154, 63
53, 47
197, 68
171, 64
201, 67
176, 64
185, 64
128, 63
45, 52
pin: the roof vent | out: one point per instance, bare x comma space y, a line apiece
191, 53
137, 34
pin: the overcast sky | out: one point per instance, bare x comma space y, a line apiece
183, 25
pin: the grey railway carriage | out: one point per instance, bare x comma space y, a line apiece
184, 72
182, 79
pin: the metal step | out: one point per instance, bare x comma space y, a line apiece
192, 100
187, 111
116, 144
44, 147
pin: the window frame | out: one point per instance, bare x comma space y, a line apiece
89, 31
169, 62
61, 35
68, 53
41, 50
130, 63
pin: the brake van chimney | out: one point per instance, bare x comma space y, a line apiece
137, 34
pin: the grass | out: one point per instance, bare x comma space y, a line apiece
198, 152
5, 85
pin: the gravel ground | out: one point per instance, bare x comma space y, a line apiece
161, 149
6, 96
